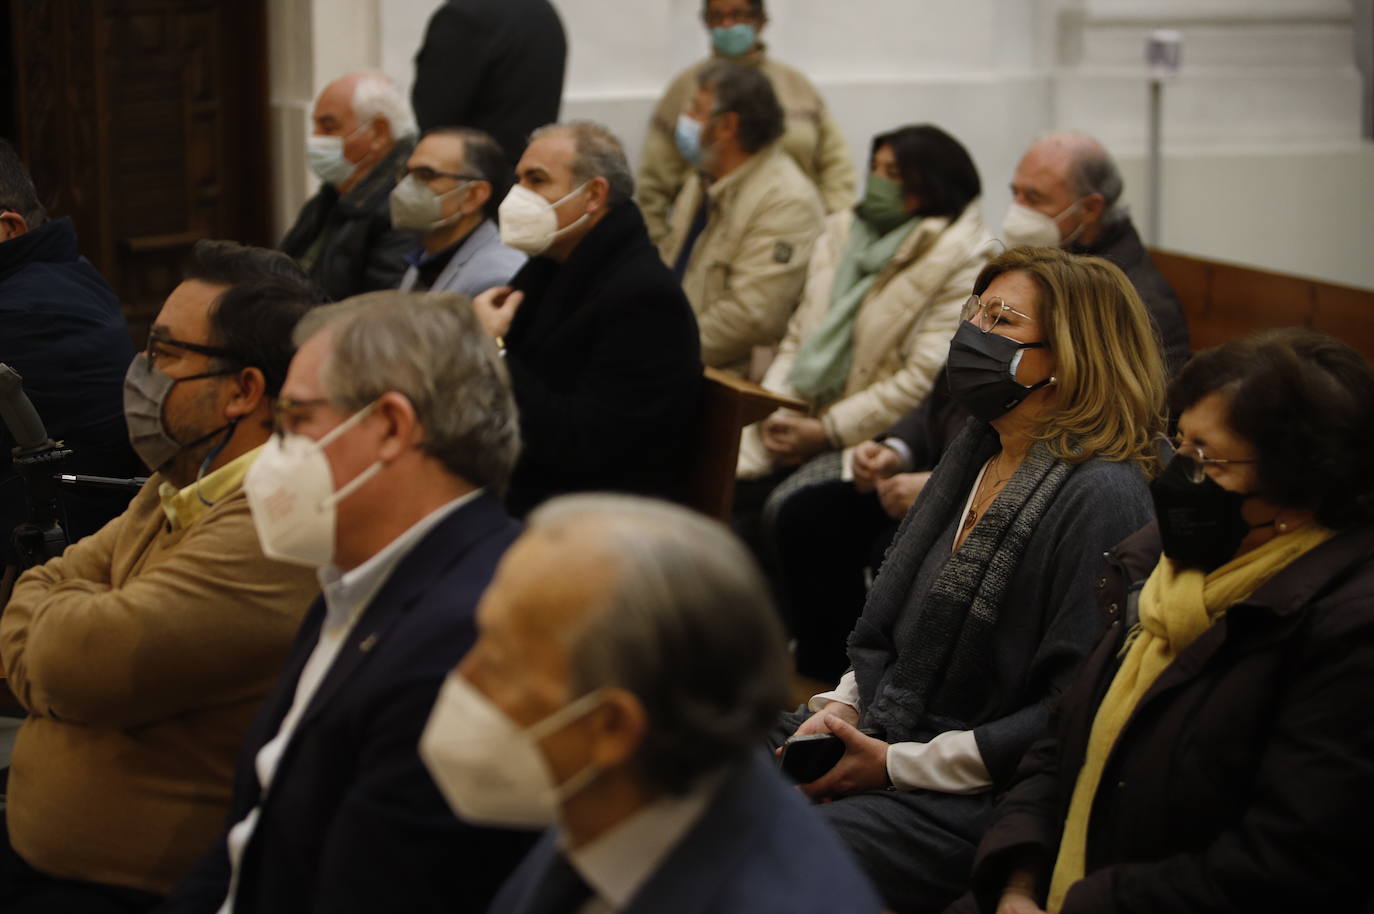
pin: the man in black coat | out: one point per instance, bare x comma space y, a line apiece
600, 340
333, 810
496, 65
364, 133
62, 330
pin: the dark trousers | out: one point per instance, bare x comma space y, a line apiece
25, 890
825, 537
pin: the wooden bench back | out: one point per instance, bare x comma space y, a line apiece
1223, 301
728, 405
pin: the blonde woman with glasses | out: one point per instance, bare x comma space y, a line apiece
985, 604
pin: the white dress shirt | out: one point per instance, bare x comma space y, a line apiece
346, 594
619, 862
949, 763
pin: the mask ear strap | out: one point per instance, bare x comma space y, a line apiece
210, 457
563, 716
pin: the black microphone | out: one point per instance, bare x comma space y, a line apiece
19, 415
109, 482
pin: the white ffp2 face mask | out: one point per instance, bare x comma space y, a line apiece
1025, 227
529, 223
291, 495
490, 771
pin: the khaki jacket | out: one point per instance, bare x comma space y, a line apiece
748, 265
141, 654
901, 332
811, 137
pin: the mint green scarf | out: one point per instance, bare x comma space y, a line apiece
823, 360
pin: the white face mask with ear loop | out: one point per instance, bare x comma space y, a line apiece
1026, 227
291, 495
491, 771
325, 155
529, 223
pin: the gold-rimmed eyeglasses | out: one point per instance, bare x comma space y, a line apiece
988, 313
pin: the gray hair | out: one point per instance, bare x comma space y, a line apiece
747, 92
690, 630
375, 96
430, 348
1093, 171
598, 154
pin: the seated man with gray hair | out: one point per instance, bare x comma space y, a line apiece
343, 238
396, 432
628, 665
1066, 192
741, 233
599, 339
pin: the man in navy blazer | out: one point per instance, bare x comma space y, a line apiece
627, 668
381, 474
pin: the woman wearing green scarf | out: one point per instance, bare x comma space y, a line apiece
1217, 751
882, 299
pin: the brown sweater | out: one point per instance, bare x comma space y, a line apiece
141, 655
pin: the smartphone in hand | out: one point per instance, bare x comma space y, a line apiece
806, 758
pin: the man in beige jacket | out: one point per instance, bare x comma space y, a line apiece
142, 653
742, 231
810, 135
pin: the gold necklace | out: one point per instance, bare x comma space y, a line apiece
993, 490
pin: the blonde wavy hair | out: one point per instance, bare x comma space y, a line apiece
1109, 398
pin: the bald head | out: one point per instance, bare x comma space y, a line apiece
1071, 178
367, 113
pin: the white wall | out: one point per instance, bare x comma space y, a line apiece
1264, 163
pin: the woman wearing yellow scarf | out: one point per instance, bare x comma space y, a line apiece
1217, 752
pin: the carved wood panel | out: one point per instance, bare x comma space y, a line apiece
146, 122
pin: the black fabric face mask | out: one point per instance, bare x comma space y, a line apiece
982, 372
1200, 523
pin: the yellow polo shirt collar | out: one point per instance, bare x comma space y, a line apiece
184, 507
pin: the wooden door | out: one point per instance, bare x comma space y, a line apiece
146, 122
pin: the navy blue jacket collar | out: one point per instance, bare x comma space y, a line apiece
51, 242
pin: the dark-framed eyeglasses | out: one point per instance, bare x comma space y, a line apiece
424, 174
159, 341
724, 18
988, 313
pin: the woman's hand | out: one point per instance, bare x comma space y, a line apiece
816, 722
863, 766
898, 493
1019, 895
1018, 901
874, 461
792, 439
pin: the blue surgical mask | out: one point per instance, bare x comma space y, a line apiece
688, 138
735, 40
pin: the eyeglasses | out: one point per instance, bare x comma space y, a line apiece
719, 18
1195, 462
287, 413
157, 342
988, 314
424, 174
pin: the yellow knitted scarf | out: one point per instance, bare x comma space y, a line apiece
1176, 606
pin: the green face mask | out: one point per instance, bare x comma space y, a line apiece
882, 206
